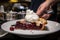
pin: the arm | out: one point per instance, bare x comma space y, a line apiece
50, 1
45, 6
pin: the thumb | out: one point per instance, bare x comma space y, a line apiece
40, 10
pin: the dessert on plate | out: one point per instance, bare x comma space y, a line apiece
31, 22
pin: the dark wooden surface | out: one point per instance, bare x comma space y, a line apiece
53, 36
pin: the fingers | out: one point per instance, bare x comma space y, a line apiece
46, 16
43, 7
40, 10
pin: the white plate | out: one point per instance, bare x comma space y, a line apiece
3, 33
52, 26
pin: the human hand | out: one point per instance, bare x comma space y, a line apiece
46, 16
43, 7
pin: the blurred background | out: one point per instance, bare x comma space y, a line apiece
9, 6
15, 9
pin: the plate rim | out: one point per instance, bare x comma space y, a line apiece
26, 34
4, 33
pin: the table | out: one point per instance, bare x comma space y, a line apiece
53, 36
47, 37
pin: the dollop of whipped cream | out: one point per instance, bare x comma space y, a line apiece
31, 16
